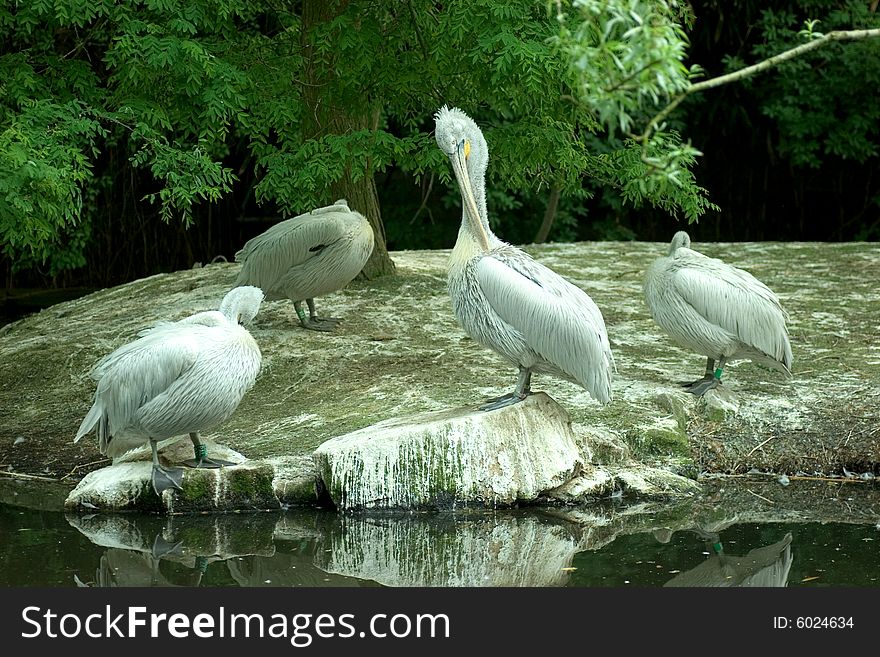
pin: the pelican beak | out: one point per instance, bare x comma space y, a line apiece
459, 167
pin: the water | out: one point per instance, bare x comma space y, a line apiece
550, 547
25, 302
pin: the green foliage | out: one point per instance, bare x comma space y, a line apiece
626, 56
627, 62
116, 114
43, 165
818, 101
672, 193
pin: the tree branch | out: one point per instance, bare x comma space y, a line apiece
772, 62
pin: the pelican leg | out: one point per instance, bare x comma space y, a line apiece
523, 390
710, 374
708, 382
201, 460
164, 478
312, 322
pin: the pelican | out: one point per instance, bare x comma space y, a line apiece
177, 378
717, 310
507, 301
308, 256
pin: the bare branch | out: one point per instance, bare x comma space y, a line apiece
772, 62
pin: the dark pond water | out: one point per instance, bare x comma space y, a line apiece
22, 303
319, 548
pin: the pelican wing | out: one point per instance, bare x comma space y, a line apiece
137, 373
734, 300
557, 319
206, 318
269, 257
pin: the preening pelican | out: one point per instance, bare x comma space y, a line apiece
308, 256
716, 310
507, 301
177, 378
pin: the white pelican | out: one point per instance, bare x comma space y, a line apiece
308, 256
177, 378
716, 310
507, 301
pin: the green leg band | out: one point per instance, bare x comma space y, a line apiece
718, 374
201, 452
717, 547
301, 314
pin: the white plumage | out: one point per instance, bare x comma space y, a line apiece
178, 378
716, 310
308, 256
506, 300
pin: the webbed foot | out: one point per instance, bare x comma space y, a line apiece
206, 462
326, 324
702, 386
505, 400
165, 478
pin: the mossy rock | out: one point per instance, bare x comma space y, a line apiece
400, 352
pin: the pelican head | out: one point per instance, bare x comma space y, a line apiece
462, 140
241, 304
679, 240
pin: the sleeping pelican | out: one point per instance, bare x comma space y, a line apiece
507, 301
307, 256
717, 310
177, 378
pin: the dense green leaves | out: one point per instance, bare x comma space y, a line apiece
820, 109
116, 115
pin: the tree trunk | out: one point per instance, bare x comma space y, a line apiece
362, 197
549, 215
323, 116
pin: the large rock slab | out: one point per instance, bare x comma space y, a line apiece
416, 359
464, 457
128, 487
248, 486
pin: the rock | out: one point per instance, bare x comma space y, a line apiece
601, 446
314, 387
177, 450
452, 458
634, 480
296, 480
251, 485
718, 405
128, 486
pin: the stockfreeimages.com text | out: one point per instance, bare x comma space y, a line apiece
300, 629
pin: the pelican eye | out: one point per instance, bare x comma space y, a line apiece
238, 320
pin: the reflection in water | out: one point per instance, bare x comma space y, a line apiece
173, 551
553, 547
474, 550
392, 550
130, 568
766, 566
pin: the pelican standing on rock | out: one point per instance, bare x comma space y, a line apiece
308, 256
177, 378
716, 310
507, 301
